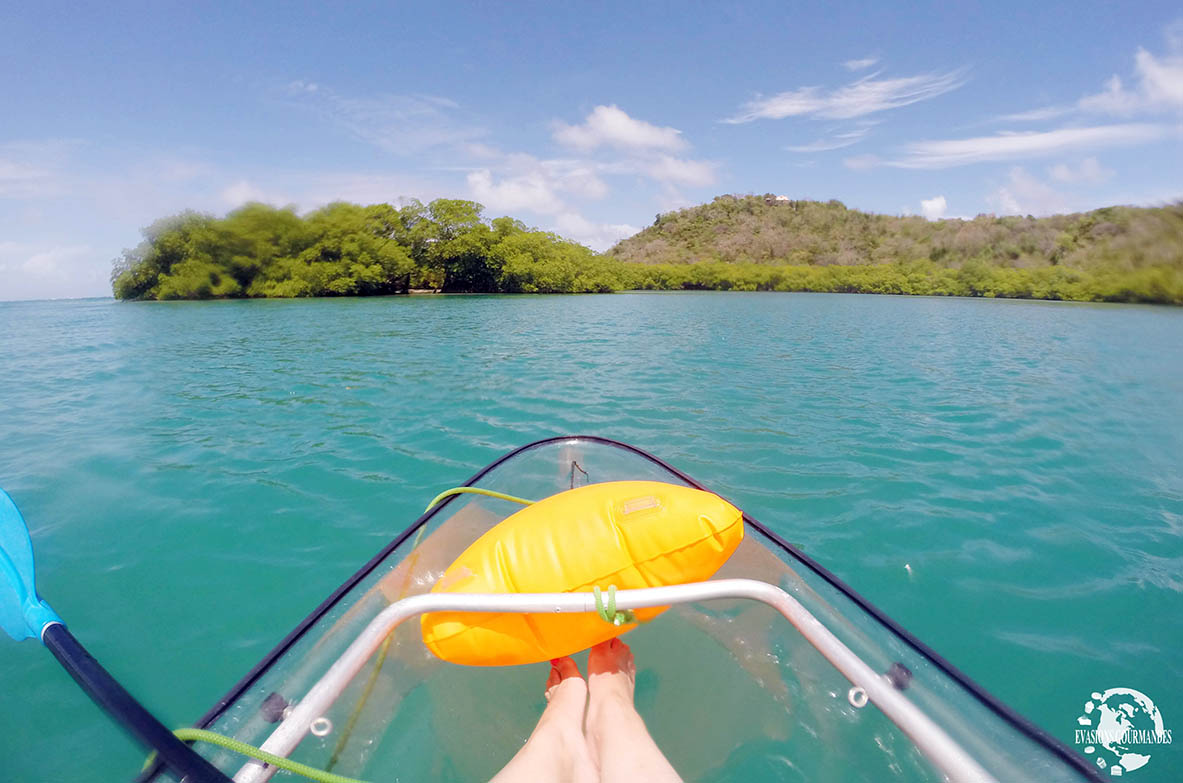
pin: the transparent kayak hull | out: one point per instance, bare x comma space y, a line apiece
728, 688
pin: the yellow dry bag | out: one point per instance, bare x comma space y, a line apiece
631, 534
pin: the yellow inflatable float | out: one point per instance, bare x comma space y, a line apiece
631, 534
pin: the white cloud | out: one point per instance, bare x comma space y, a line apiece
672, 198
576, 177
536, 185
1157, 87
864, 96
611, 126
597, 236
1024, 194
1010, 146
33, 271
1089, 171
1114, 99
680, 171
933, 208
1161, 78
532, 192
860, 65
242, 192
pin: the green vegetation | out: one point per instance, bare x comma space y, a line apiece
755, 243
738, 243
349, 250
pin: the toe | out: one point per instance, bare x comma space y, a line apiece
554, 678
564, 667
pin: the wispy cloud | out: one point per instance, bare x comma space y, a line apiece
400, 124
823, 145
834, 141
862, 162
1036, 115
1088, 172
315, 189
23, 180
860, 65
1012, 146
857, 99
611, 126
35, 169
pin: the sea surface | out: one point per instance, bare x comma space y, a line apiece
1004, 478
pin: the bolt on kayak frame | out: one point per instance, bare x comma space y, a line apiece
939, 748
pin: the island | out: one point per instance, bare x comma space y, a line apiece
733, 243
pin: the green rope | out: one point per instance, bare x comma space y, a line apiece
213, 738
347, 732
475, 491
608, 613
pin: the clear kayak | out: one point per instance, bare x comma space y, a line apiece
774, 670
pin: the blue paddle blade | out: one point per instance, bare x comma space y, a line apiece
23, 615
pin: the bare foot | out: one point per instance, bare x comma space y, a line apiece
617, 737
556, 750
566, 690
611, 671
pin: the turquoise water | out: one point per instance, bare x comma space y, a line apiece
1002, 477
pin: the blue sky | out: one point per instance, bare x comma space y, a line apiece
586, 121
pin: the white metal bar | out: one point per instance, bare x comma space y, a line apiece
944, 752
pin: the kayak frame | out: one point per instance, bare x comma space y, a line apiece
945, 754
1016, 720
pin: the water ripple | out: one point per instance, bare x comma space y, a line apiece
199, 475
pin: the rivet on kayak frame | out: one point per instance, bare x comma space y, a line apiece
321, 727
857, 697
899, 675
273, 707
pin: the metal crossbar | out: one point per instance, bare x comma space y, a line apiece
941, 750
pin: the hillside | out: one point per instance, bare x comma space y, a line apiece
760, 230
1115, 254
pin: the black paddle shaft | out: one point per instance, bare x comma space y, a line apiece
119, 704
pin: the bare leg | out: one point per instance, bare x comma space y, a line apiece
556, 750
616, 734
